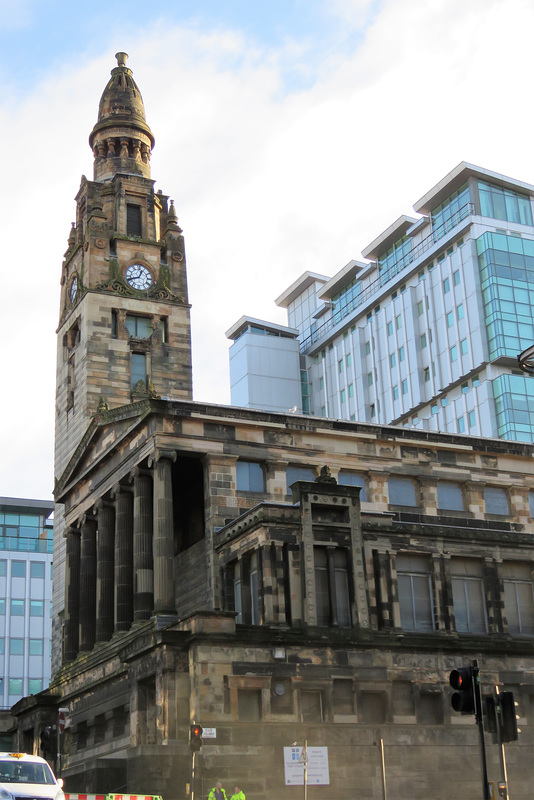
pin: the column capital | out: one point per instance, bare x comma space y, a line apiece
73, 529
160, 454
120, 487
139, 472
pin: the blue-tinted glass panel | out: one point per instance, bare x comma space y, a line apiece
395, 258
500, 203
347, 478
514, 407
450, 212
298, 474
401, 491
250, 477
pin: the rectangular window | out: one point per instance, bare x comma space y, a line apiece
369, 379
36, 647
450, 319
404, 387
468, 596
37, 569
390, 328
401, 354
36, 608
3, 567
15, 686
348, 478
17, 608
2, 607
456, 277
343, 395
450, 496
294, 474
446, 286
518, 597
133, 220
392, 360
398, 322
139, 370
415, 592
426, 374
332, 587
496, 501
348, 359
249, 705
372, 410
351, 390
465, 388
139, 327
463, 347
461, 424
250, 477
401, 491
420, 308
321, 383
342, 697
460, 311
454, 353
16, 647
472, 419
367, 348
35, 685
423, 341
395, 392
434, 408
340, 365
312, 706
18, 569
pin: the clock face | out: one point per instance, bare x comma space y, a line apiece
138, 276
73, 289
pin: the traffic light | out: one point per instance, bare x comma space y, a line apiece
463, 699
490, 716
509, 732
195, 737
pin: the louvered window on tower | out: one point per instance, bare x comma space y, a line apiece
133, 220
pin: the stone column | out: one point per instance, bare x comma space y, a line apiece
143, 561
72, 594
163, 541
123, 558
105, 547
88, 584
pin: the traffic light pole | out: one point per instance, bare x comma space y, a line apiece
193, 754
480, 722
502, 754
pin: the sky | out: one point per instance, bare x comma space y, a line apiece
289, 133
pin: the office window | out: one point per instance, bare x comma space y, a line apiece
518, 597
420, 308
454, 353
17, 608
456, 277
401, 354
450, 319
415, 592
463, 347
321, 383
16, 647
298, 474
36, 647
421, 275
348, 478
323, 353
395, 392
426, 374
390, 328
18, 569
404, 386
348, 359
423, 341
36, 608
343, 395
465, 388
401, 491
446, 286
367, 348
460, 311
468, 596
434, 408
450, 496
351, 390
139, 369
460, 424
37, 569
3, 568
35, 685
496, 501
444, 401
15, 686
2, 607
372, 410
472, 419
249, 705
340, 365
332, 587
369, 379
133, 220
250, 477
398, 322
323, 411
312, 706
475, 381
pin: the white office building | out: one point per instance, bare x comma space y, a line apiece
25, 597
426, 331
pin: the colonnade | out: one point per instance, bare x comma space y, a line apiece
120, 559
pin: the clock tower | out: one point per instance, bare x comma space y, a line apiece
124, 327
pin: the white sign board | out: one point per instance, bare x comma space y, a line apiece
209, 733
317, 766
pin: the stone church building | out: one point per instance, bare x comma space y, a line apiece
276, 578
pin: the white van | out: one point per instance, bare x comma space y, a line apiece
23, 776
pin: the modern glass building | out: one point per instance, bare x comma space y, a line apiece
426, 331
25, 597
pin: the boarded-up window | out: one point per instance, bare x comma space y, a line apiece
343, 697
415, 592
347, 478
298, 474
372, 707
250, 476
518, 597
496, 501
401, 491
281, 696
468, 596
332, 587
312, 706
133, 220
402, 698
249, 705
450, 496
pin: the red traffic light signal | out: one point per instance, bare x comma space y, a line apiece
463, 699
195, 737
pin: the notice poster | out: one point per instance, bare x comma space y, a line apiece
317, 766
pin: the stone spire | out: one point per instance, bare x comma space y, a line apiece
121, 139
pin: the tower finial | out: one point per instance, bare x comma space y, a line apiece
121, 59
